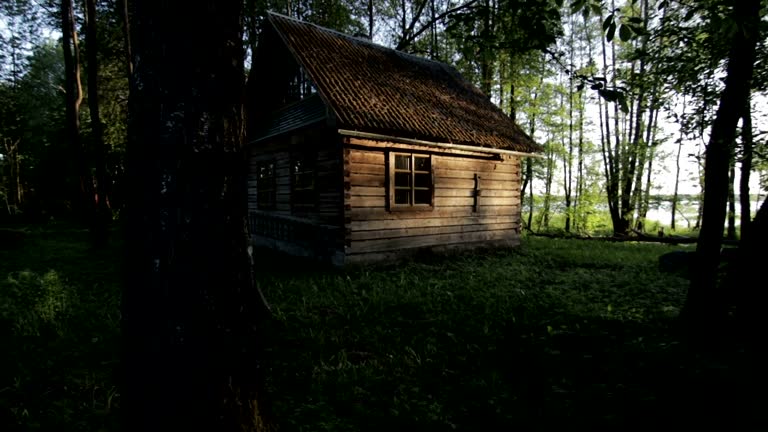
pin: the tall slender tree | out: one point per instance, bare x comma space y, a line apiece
101, 214
703, 306
747, 145
74, 98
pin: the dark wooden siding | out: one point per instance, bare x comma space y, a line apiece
372, 230
297, 236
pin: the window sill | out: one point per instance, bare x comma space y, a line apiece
413, 208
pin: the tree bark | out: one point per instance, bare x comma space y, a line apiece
82, 196
126, 18
677, 176
191, 313
746, 168
370, 19
731, 230
101, 214
703, 308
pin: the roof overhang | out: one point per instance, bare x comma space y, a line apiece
477, 149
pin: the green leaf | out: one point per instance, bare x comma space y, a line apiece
623, 106
635, 20
611, 32
640, 31
622, 99
625, 33
597, 8
608, 95
577, 5
608, 21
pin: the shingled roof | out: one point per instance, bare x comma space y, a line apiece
372, 88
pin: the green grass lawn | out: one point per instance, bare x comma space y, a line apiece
554, 334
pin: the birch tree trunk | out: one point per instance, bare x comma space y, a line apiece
190, 311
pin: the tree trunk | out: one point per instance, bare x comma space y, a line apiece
703, 308
528, 161
610, 163
579, 222
677, 177
731, 230
101, 214
746, 168
544, 219
126, 35
14, 196
370, 19
190, 311
82, 196
529, 171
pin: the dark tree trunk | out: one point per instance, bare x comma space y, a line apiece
101, 214
704, 309
677, 177
15, 195
370, 19
126, 18
610, 163
82, 195
731, 231
746, 168
190, 310
744, 272
529, 170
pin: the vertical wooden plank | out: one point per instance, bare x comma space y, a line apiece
346, 169
388, 189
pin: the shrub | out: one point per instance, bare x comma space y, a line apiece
34, 304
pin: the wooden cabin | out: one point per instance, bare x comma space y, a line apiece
361, 153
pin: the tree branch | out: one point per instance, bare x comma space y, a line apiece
408, 39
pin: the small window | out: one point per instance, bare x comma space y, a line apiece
266, 188
303, 190
411, 180
299, 87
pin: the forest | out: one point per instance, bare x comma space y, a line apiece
649, 113
622, 96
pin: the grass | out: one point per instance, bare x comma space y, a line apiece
555, 334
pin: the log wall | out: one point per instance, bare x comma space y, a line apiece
327, 217
457, 219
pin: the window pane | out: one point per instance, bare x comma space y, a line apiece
402, 196
423, 196
402, 162
422, 163
403, 179
303, 181
423, 180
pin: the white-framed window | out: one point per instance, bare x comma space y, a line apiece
411, 184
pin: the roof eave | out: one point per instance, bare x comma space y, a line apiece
403, 140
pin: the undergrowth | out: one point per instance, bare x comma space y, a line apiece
554, 334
